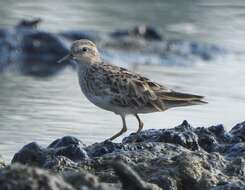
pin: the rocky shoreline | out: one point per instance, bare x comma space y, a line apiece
180, 158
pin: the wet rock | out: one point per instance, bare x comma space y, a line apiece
66, 141
77, 35
218, 130
39, 53
238, 131
30, 24
169, 166
31, 154
60, 164
236, 167
143, 155
189, 169
214, 138
31, 51
22, 178
99, 149
183, 135
165, 181
142, 31
130, 179
230, 186
35, 155
207, 140
72, 152
69, 147
172, 159
195, 169
236, 150
43, 44
83, 180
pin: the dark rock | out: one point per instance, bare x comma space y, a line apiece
130, 179
236, 150
153, 160
195, 170
27, 178
83, 180
236, 167
230, 186
35, 155
142, 154
77, 35
146, 32
32, 52
43, 43
31, 154
215, 139
169, 159
166, 182
239, 131
217, 130
66, 141
30, 24
72, 152
99, 149
143, 31
69, 147
183, 135
60, 164
207, 140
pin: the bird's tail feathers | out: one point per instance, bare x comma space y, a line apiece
177, 99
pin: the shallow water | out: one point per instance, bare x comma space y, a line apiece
43, 109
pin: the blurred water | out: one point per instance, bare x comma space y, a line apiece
41, 110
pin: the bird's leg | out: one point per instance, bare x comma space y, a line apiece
141, 124
123, 130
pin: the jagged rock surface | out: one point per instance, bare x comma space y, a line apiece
172, 159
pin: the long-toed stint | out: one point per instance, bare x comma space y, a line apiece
118, 90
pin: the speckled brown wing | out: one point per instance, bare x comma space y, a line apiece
127, 89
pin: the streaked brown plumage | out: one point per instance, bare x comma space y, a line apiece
123, 92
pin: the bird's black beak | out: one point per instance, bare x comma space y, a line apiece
65, 58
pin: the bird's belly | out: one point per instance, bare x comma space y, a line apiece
100, 101
105, 103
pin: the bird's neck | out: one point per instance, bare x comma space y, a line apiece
84, 66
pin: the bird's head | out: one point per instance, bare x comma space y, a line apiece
83, 52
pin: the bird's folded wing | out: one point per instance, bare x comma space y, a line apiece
128, 89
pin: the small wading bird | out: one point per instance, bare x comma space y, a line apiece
118, 90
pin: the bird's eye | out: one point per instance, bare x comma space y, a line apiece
84, 49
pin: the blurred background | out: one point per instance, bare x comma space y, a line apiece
199, 48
